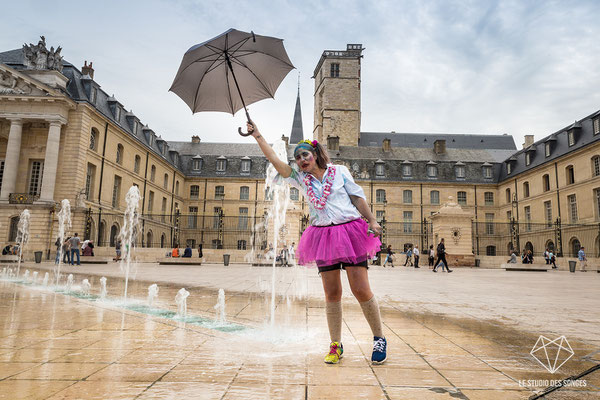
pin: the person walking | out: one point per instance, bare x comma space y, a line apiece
441, 254
416, 256
292, 251
200, 255
389, 256
74, 243
337, 237
67, 251
552, 259
408, 257
546, 256
582, 259
118, 250
431, 255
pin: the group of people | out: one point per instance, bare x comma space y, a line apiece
413, 253
10, 250
70, 248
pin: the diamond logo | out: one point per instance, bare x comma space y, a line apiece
550, 352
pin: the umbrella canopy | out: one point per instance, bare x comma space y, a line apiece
231, 71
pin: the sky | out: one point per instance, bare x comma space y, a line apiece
491, 67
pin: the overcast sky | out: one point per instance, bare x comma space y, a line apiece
516, 67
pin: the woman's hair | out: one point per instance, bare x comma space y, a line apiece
322, 156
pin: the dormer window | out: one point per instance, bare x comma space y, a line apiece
596, 125
547, 149
571, 136
460, 170
93, 95
527, 158
117, 113
508, 168
406, 169
221, 164
379, 168
246, 162
197, 163
135, 128
432, 170
488, 172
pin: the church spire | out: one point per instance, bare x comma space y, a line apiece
297, 134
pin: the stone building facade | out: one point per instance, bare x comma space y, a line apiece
62, 136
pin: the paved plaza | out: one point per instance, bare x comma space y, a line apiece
465, 335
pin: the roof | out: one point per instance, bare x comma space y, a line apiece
297, 134
453, 140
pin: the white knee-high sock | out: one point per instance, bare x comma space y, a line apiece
370, 309
334, 320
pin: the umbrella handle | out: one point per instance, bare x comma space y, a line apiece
247, 133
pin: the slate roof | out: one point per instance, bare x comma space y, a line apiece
425, 140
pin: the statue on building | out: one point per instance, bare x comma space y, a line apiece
10, 84
39, 57
364, 174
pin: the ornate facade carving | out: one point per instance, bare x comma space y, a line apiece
10, 84
39, 57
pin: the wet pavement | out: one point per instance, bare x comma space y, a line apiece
465, 335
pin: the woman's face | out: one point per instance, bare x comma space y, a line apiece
305, 160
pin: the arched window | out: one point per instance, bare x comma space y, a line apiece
114, 233
166, 181
177, 188
550, 245
149, 239
152, 173
119, 158
570, 174
525, 189
380, 196
546, 182
14, 229
575, 246
294, 194
508, 198
136, 164
94, 139
596, 166
529, 246
163, 239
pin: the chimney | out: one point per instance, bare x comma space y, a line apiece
87, 69
439, 146
387, 145
333, 143
195, 139
285, 139
528, 141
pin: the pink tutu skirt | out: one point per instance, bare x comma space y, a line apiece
328, 245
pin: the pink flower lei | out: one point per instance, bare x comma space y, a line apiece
319, 202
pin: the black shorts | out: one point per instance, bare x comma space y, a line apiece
342, 265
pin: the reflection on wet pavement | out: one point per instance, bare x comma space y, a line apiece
58, 345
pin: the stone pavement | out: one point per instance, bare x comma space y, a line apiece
465, 335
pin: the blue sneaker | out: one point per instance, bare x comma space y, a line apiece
379, 350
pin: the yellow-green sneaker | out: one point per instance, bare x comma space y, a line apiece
335, 353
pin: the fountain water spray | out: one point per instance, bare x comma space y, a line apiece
103, 288
181, 300
22, 235
85, 286
4, 273
152, 294
64, 222
69, 282
220, 317
34, 277
46, 279
129, 231
25, 275
279, 191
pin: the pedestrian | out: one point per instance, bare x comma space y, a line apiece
118, 250
67, 251
431, 255
75, 242
416, 256
513, 258
552, 259
200, 255
546, 256
408, 257
441, 254
582, 259
389, 256
292, 251
59, 246
337, 237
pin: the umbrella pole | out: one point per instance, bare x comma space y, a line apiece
241, 97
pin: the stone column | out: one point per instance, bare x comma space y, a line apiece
51, 162
11, 161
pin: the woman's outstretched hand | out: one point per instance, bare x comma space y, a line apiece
375, 228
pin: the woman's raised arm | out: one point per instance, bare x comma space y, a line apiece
281, 166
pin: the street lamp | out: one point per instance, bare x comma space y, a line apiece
515, 224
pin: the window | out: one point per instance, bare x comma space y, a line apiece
136, 127
379, 215
197, 164
216, 244
35, 177
461, 197
460, 171
596, 125
241, 245
150, 201
193, 217
294, 194
487, 172
572, 202
177, 188
407, 197
548, 213
194, 192
117, 113
527, 158
246, 166
136, 164
407, 170
163, 208
334, 70
1, 171
243, 218
219, 192
508, 168
528, 219
408, 216
217, 217
570, 172
14, 229
166, 181
379, 169
571, 137
434, 197
93, 95
490, 250
508, 215
116, 191
546, 182
152, 173
597, 198
119, 158
89, 181
93, 139
432, 171
380, 196
596, 165
508, 198
221, 165
488, 198
489, 223
525, 189
547, 149
245, 192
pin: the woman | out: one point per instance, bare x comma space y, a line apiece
337, 237
389, 257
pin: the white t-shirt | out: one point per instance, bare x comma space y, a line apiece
416, 251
